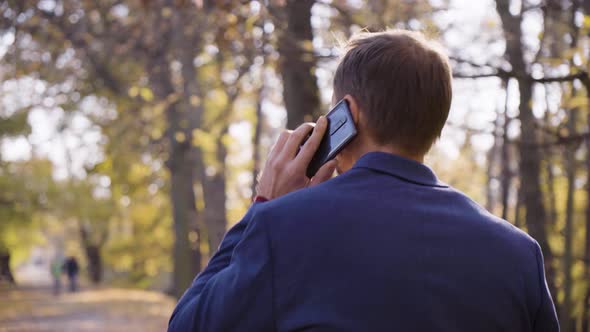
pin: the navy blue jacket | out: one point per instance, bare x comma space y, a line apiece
385, 246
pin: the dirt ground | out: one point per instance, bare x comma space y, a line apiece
33, 309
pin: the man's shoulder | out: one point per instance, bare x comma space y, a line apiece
499, 228
301, 207
311, 198
338, 194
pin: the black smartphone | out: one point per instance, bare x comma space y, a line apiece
341, 130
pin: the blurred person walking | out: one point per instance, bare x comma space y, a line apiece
56, 267
71, 268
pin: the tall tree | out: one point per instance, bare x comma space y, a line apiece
494, 160
10, 126
298, 62
586, 299
586, 83
126, 51
505, 160
530, 158
570, 170
549, 169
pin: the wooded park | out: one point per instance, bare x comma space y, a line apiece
132, 132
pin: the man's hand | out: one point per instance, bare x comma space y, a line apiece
285, 167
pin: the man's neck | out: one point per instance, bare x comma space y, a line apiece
389, 149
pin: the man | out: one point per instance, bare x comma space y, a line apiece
384, 246
71, 269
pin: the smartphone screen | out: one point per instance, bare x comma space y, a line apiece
341, 130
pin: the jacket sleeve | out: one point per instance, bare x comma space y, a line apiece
546, 317
234, 292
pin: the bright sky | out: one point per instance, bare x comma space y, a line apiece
473, 33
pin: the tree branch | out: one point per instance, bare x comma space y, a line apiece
567, 78
496, 71
476, 76
474, 64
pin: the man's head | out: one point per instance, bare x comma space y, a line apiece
398, 85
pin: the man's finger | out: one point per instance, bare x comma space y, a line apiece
295, 139
312, 144
279, 144
324, 173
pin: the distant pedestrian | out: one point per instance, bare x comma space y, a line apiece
71, 268
56, 266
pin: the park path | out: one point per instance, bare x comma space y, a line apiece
36, 309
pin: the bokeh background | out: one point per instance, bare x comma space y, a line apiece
132, 132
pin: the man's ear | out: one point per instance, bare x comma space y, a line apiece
354, 109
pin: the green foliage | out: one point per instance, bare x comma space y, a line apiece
15, 124
27, 190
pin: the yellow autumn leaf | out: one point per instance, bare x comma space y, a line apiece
146, 94
156, 133
306, 45
204, 140
577, 102
133, 91
231, 18
179, 136
227, 140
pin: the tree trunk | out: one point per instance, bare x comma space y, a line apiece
92, 250
530, 158
94, 259
491, 197
193, 157
5, 271
530, 161
183, 157
180, 164
550, 183
586, 304
214, 187
182, 196
518, 209
506, 174
256, 141
567, 319
297, 63
570, 169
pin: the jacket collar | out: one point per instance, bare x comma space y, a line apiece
399, 167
